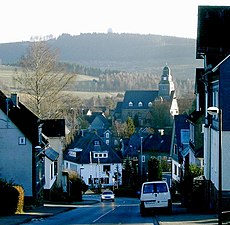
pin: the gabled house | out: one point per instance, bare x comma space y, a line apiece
26, 154
98, 121
21, 147
95, 161
213, 46
179, 150
54, 130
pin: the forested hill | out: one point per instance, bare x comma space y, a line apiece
124, 52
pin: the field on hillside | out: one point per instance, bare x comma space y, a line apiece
8, 72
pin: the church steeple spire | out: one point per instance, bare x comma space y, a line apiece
166, 85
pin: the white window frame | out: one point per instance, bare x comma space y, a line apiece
22, 140
140, 104
130, 104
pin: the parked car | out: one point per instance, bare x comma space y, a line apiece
155, 194
108, 195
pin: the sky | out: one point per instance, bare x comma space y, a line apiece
22, 19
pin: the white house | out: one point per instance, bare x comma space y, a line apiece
26, 157
94, 161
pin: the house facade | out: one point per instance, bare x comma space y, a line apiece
213, 47
94, 160
179, 149
20, 159
26, 156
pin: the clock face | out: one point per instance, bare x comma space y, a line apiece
164, 78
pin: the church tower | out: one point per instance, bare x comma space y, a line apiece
166, 85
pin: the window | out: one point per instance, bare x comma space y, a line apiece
51, 171
150, 104
155, 188
175, 170
143, 158
106, 168
21, 140
130, 104
107, 142
140, 104
96, 142
100, 155
185, 136
107, 135
175, 149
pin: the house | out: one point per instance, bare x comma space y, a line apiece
196, 120
26, 155
196, 150
213, 46
21, 147
98, 121
138, 104
95, 161
179, 150
54, 130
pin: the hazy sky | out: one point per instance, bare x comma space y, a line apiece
22, 19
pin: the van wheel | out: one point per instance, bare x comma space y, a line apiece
169, 209
142, 211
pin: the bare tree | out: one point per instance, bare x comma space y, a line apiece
42, 79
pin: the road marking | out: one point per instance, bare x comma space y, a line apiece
105, 214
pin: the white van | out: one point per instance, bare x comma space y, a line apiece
155, 194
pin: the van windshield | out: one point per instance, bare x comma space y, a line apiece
155, 188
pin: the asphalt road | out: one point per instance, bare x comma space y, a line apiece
122, 211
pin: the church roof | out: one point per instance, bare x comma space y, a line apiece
166, 71
136, 99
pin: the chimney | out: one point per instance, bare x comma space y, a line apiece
15, 99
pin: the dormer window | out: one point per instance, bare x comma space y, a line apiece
150, 104
140, 104
130, 104
96, 143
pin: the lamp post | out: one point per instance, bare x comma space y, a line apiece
141, 158
214, 111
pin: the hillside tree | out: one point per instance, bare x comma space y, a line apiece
42, 80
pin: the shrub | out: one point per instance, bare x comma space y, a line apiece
12, 198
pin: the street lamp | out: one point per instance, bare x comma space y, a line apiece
214, 111
141, 158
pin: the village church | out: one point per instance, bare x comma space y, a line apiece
139, 104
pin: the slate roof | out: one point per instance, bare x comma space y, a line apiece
22, 117
118, 107
194, 116
180, 123
51, 154
157, 143
100, 122
86, 143
136, 96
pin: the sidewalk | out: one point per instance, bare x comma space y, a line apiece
181, 216
41, 212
